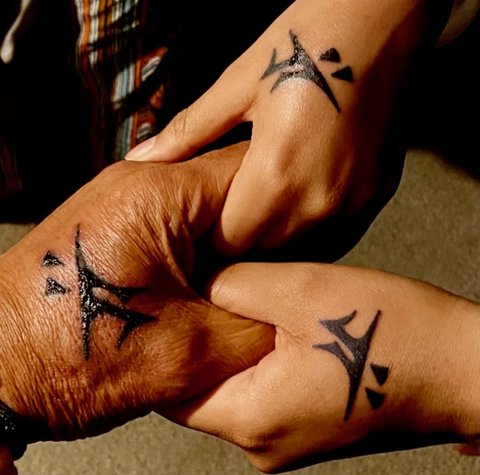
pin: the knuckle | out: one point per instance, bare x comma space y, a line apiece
324, 202
279, 181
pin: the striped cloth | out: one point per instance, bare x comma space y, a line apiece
118, 49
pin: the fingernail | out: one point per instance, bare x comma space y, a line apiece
140, 152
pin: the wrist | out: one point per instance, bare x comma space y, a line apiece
461, 394
444, 394
369, 21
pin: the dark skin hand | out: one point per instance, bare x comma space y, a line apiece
99, 322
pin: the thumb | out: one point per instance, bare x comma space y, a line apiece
266, 292
213, 114
201, 185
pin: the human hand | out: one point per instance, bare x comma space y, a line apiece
320, 86
99, 323
364, 362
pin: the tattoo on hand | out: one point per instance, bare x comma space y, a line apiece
92, 306
301, 66
359, 348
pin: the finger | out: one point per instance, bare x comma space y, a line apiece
201, 197
221, 410
262, 291
235, 343
254, 202
6, 462
217, 111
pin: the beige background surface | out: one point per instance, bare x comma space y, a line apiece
430, 230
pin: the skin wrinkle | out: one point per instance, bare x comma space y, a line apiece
175, 353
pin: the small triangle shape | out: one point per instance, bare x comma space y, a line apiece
51, 260
345, 74
331, 55
380, 373
375, 399
52, 287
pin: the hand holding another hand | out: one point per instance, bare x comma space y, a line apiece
99, 324
321, 87
363, 362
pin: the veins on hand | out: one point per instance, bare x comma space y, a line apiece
301, 66
355, 365
91, 305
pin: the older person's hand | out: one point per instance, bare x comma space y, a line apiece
99, 323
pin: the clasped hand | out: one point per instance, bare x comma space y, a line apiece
99, 322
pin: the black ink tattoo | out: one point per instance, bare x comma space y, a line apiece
93, 306
381, 375
301, 66
52, 287
51, 260
331, 55
359, 348
375, 399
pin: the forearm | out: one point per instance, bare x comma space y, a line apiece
368, 20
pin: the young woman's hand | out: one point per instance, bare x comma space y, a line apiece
321, 87
364, 362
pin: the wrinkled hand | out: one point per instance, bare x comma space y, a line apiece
320, 86
99, 323
364, 362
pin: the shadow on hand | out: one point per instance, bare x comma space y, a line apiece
327, 241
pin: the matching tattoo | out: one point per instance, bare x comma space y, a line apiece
302, 66
353, 356
92, 305
299, 66
352, 352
